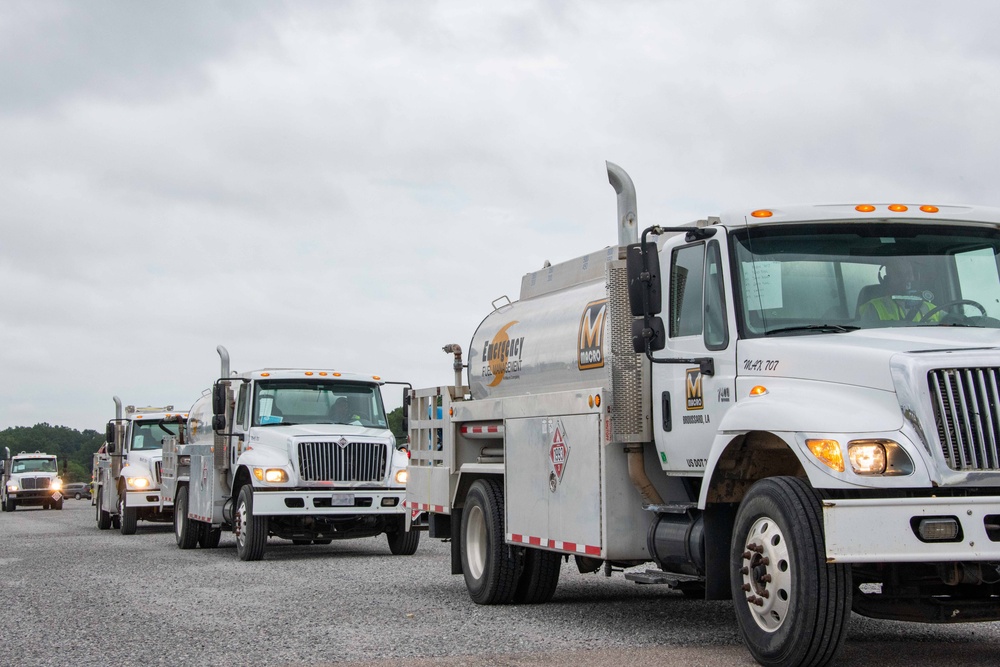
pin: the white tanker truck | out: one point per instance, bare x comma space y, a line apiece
747, 421
127, 470
304, 455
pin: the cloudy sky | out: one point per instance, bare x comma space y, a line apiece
350, 185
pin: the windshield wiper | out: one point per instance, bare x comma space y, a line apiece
820, 328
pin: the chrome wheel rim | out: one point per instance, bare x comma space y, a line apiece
767, 574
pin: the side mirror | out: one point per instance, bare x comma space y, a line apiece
109, 432
643, 280
406, 410
651, 329
219, 398
219, 422
111, 446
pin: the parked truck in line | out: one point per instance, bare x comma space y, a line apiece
747, 421
299, 454
127, 468
30, 479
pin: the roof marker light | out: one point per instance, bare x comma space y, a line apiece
309, 372
762, 213
336, 375
898, 208
376, 377
927, 208
864, 208
264, 375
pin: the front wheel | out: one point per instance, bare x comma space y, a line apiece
489, 568
58, 504
185, 530
791, 606
129, 516
402, 542
251, 531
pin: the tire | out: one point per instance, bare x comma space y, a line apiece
129, 516
103, 516
251, 531
58, 504
208, 537
185, 530
490, 570
402, 542
78, 496
791, 606
539, 577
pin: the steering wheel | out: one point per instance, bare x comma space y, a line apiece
945, 306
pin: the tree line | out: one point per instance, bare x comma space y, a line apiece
74, 447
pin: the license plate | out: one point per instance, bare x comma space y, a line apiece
342, 500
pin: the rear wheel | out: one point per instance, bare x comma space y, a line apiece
402, 542
208, 537
539, 577
103, 516
129, 515
490, 571
792, 607
185, 530
251, 531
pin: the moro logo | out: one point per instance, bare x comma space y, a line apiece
502, 355
692, 390
591, 339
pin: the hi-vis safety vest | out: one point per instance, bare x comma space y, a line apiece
888, 309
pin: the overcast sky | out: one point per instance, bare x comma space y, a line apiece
350, 185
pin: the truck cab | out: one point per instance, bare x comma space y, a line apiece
30, 479
130, 464
299, 454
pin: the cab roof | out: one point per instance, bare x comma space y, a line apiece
871, 212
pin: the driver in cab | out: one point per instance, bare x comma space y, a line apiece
901, 300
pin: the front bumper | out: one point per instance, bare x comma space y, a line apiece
31, 496
146, 498
327, 502
881, 530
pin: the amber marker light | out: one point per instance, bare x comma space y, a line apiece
376, 377
336, 375
827, 451
597, 400
309, 372
761, 213
864, 208
926, 208
264, 375
759, 390
322, 373
898, 208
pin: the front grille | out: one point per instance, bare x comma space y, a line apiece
965, 402
35, 482
333, 462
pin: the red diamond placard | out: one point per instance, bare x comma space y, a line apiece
557, 453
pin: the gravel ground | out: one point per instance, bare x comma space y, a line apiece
74, 595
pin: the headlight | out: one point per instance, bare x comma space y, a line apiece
878, 457
137, 482
56, 484
12, 488
274, 475
402, 476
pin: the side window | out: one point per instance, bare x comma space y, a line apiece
687, 277
978, 277
241, 405
716, 330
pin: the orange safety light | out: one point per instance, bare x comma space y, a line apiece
926, 208
309, 372
898, 208
762, 213
322, 373
264, 375
597, 400
336, 375
376, 377
758, 390
864, 208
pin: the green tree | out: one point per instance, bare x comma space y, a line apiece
73, 447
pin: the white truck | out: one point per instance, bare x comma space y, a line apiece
30, 479
747, 421
128, 467
304, 455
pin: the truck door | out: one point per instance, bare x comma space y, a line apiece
687, 403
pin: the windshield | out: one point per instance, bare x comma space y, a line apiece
317, 402
150, 434
33, 465
800, 279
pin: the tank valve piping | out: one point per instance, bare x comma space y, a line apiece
456, 349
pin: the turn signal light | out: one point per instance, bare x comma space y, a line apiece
827, 451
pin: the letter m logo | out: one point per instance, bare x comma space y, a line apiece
592, 335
